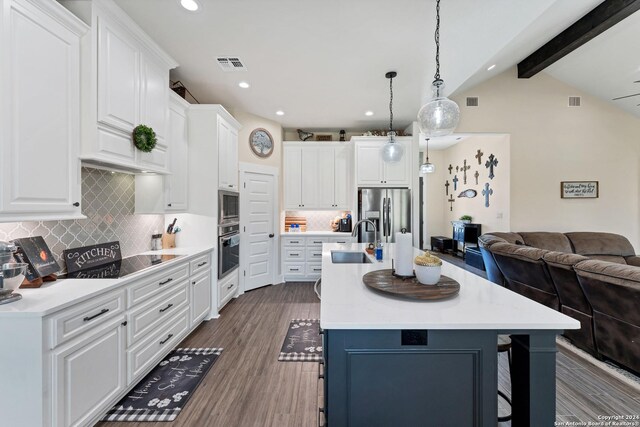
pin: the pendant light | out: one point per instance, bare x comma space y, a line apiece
427, 167
439, 116
391, 152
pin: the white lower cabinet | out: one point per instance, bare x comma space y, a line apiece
302, 256
88, 374
200, 289
227, 288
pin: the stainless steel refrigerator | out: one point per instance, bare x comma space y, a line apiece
388, 208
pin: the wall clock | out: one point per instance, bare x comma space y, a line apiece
261, 142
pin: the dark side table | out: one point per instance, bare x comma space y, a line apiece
441, 243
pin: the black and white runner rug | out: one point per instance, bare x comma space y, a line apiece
164, 392
303, 342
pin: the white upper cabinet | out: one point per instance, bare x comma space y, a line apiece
40, 104
372, 171
227, 155
177, 184
317, 176
127, 83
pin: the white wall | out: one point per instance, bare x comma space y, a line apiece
250, 122
551, 142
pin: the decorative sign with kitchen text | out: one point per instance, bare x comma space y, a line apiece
579, 189
88, 257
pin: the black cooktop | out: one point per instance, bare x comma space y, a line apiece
121, 268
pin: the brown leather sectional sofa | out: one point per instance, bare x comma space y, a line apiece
592, 277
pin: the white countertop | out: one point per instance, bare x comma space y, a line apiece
348, 304
316, 233
54, 296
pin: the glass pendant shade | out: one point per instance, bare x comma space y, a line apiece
392, 152
426, 168
439, 116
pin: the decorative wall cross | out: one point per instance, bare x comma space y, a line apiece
479, 157
486, 193
464, 169
447, 187
457, 168
450, 168
455, 182
476, 175
451, 200
491, 163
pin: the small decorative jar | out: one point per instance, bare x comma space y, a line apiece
427, 268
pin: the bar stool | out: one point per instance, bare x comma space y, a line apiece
504, 345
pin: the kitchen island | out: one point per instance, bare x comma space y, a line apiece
392, 361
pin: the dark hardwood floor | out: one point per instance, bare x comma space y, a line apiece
249, 387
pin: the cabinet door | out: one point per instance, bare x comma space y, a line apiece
310, 173
224, 134
88, 374
118, 89
155, 111
176, 184
292, 165
399, 173
325, 178
342, 184
200, 298
232, 152
40, 130
369, 169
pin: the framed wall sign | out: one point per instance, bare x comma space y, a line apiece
579, 189
261, 142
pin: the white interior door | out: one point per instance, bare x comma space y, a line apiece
258, 229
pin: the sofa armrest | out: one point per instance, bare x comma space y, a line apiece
633, 260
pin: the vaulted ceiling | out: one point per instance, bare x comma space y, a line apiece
323, 63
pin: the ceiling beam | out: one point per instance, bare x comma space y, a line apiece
600, 19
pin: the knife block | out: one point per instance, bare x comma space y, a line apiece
168, 241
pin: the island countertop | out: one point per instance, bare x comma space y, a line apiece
348, 304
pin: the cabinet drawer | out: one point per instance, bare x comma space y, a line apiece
147, 352
78, 319
316, 242
227, 287
297, 241
294, 269
146, 288
313, 270
342, 240
292, 254
144, 319
314, 254
199, 264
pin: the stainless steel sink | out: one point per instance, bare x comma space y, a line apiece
349, 257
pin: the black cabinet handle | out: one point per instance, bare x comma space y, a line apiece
170, 279
194, 282
271, 235
169, 204
103, 311
202, 263
162, 310
165, 341
231, 185
76, 204
294, 254
124, 323
295, 269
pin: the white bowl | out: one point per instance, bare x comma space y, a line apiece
427, 275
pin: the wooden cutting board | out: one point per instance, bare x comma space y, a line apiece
385, 282
300, 220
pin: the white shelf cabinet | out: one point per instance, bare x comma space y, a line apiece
40, 103
317, 176
227, 155
127, 83
372, 171
177, 183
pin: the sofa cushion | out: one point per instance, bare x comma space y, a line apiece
524, 253
564, 278
608, 258
488, 239
547, 240
633, 260
563, 259
593, 243
622, 274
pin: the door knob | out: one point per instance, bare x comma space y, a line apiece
271, 236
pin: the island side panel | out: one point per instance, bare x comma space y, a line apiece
373, 379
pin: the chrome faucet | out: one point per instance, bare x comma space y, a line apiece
354, 233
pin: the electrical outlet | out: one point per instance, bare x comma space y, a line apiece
499, 215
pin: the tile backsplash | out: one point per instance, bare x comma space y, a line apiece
317, 220
108, 201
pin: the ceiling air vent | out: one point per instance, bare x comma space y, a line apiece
574, 101
472, 101
230, 63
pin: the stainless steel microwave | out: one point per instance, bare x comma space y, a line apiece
228, 207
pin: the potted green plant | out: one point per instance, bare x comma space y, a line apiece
466, 219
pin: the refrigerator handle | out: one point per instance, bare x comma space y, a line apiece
389, 217
383, 226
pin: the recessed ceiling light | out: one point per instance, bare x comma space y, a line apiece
280, 113
369, 113
244, 85
190, 5
491, 67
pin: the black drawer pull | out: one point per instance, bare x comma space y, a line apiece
317, 269
294, 269
231, 285
165, 341
162, 310
202, 263
317, 254
295, 241
316, 242
103, 311
170, 279
294, 254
